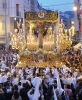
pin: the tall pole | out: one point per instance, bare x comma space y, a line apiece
5, 27
81, 30
81, 22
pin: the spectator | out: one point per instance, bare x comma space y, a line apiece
16, 96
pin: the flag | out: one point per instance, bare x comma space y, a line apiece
81, 28
55, 96
59, 87
80, 11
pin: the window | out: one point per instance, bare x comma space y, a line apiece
4, 6
17, 9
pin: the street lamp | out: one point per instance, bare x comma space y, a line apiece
75, 8
76, 24
15, 18
5, 26
72, 22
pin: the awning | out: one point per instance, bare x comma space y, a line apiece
77, 46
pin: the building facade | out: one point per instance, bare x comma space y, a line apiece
67, 18
12, 12
78, 18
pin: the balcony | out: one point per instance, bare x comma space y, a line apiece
18, 14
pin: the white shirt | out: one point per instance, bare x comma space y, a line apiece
30, 95
20, 71
65, 80
23, 81
3, 66
75, 74
13, 70
19, 87
9, 90
15, 81
4, 79
73, 81
51, 80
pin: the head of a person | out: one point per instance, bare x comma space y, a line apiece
68, 86
40, 87
19, 83
24, 85
7, 86
65, 85
37, 75
65, 93
51, 75
24, 77
16, 94
57, 92
3, 72
16, 87
32, 91
45, 80
34, 74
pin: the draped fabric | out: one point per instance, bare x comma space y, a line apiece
55, 97
58, 83
36, 83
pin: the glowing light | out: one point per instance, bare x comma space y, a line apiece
75, 8
72, 22
15, 18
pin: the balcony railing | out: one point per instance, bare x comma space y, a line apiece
18, 14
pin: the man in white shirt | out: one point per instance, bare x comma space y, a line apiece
31, 94
3, 65
15, 80
3, 78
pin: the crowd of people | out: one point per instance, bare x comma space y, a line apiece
33, 83
73, 58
